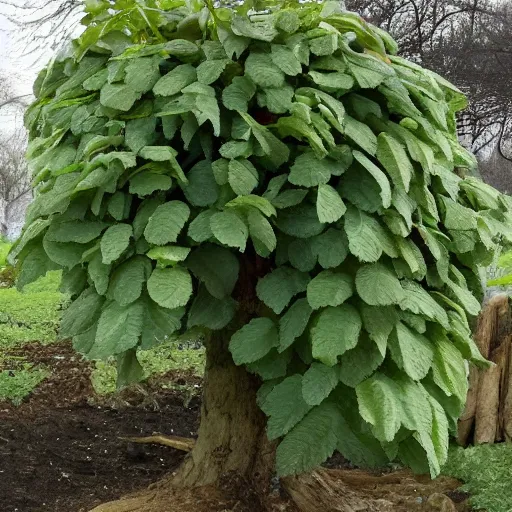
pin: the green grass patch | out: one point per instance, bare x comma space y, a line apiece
15, 385
156, 361
486, 471
31, 315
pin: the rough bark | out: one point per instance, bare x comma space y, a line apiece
485, 402
486, 417
232, 426
507, 402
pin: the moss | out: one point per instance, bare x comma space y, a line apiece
485, 471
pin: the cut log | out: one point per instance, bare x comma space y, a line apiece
486, 417
507, 400
467, 419
500, 357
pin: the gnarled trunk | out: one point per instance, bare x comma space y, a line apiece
231, 436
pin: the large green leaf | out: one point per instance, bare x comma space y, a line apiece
377, 285
312, 441
335, 331
115, 241
253, 341
229, 229
170, 287
277, 288
119, 329
329, 289
166, 223
216, 267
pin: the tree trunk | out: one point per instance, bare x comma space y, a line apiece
231, 435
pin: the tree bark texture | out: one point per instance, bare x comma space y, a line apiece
487, 417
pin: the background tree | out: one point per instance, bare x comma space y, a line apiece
289, 187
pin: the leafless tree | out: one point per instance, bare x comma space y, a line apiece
14, 177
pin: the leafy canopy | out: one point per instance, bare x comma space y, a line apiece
173, 144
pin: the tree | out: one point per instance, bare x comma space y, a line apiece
14, 177
466, 41
284, 183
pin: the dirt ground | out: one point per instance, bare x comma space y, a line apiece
60, 451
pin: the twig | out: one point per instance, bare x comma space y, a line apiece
184, 444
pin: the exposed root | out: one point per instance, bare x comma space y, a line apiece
184, 444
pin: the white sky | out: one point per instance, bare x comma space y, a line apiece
20, 69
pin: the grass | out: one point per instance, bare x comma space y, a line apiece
156, 361
34, 314
31, 315
15, 385
486, 471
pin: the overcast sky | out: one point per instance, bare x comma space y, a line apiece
20, 69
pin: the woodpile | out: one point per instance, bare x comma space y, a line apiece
487, 417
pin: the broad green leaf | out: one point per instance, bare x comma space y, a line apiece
144, 184
208, 311
159, 323
237, 95
277, 288
300, 221
229, 229
332, 82
260, 68
335, 331
365, 235
272, 366
285, 59
394, 159
199, 229
176, 80
330, 247
360, 362
202, 189
166, 223
81, 314
140, 133
309, 171
128, 279
329, 205
210, 70
379, 405
448, 369
329, 289
318, 382
261, 232
411, 351
119, 329
99, 273
253, 341
419, 301
379, 322
115, 241
118, 96
168, 254
285, 407
80, 232
290, 197
360, 134
311, 442
242, 176
378, 175
170, 287
377, 285
293, 323
216, 267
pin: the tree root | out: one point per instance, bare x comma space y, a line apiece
185, 444
323, 490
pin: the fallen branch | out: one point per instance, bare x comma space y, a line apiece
184, 444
